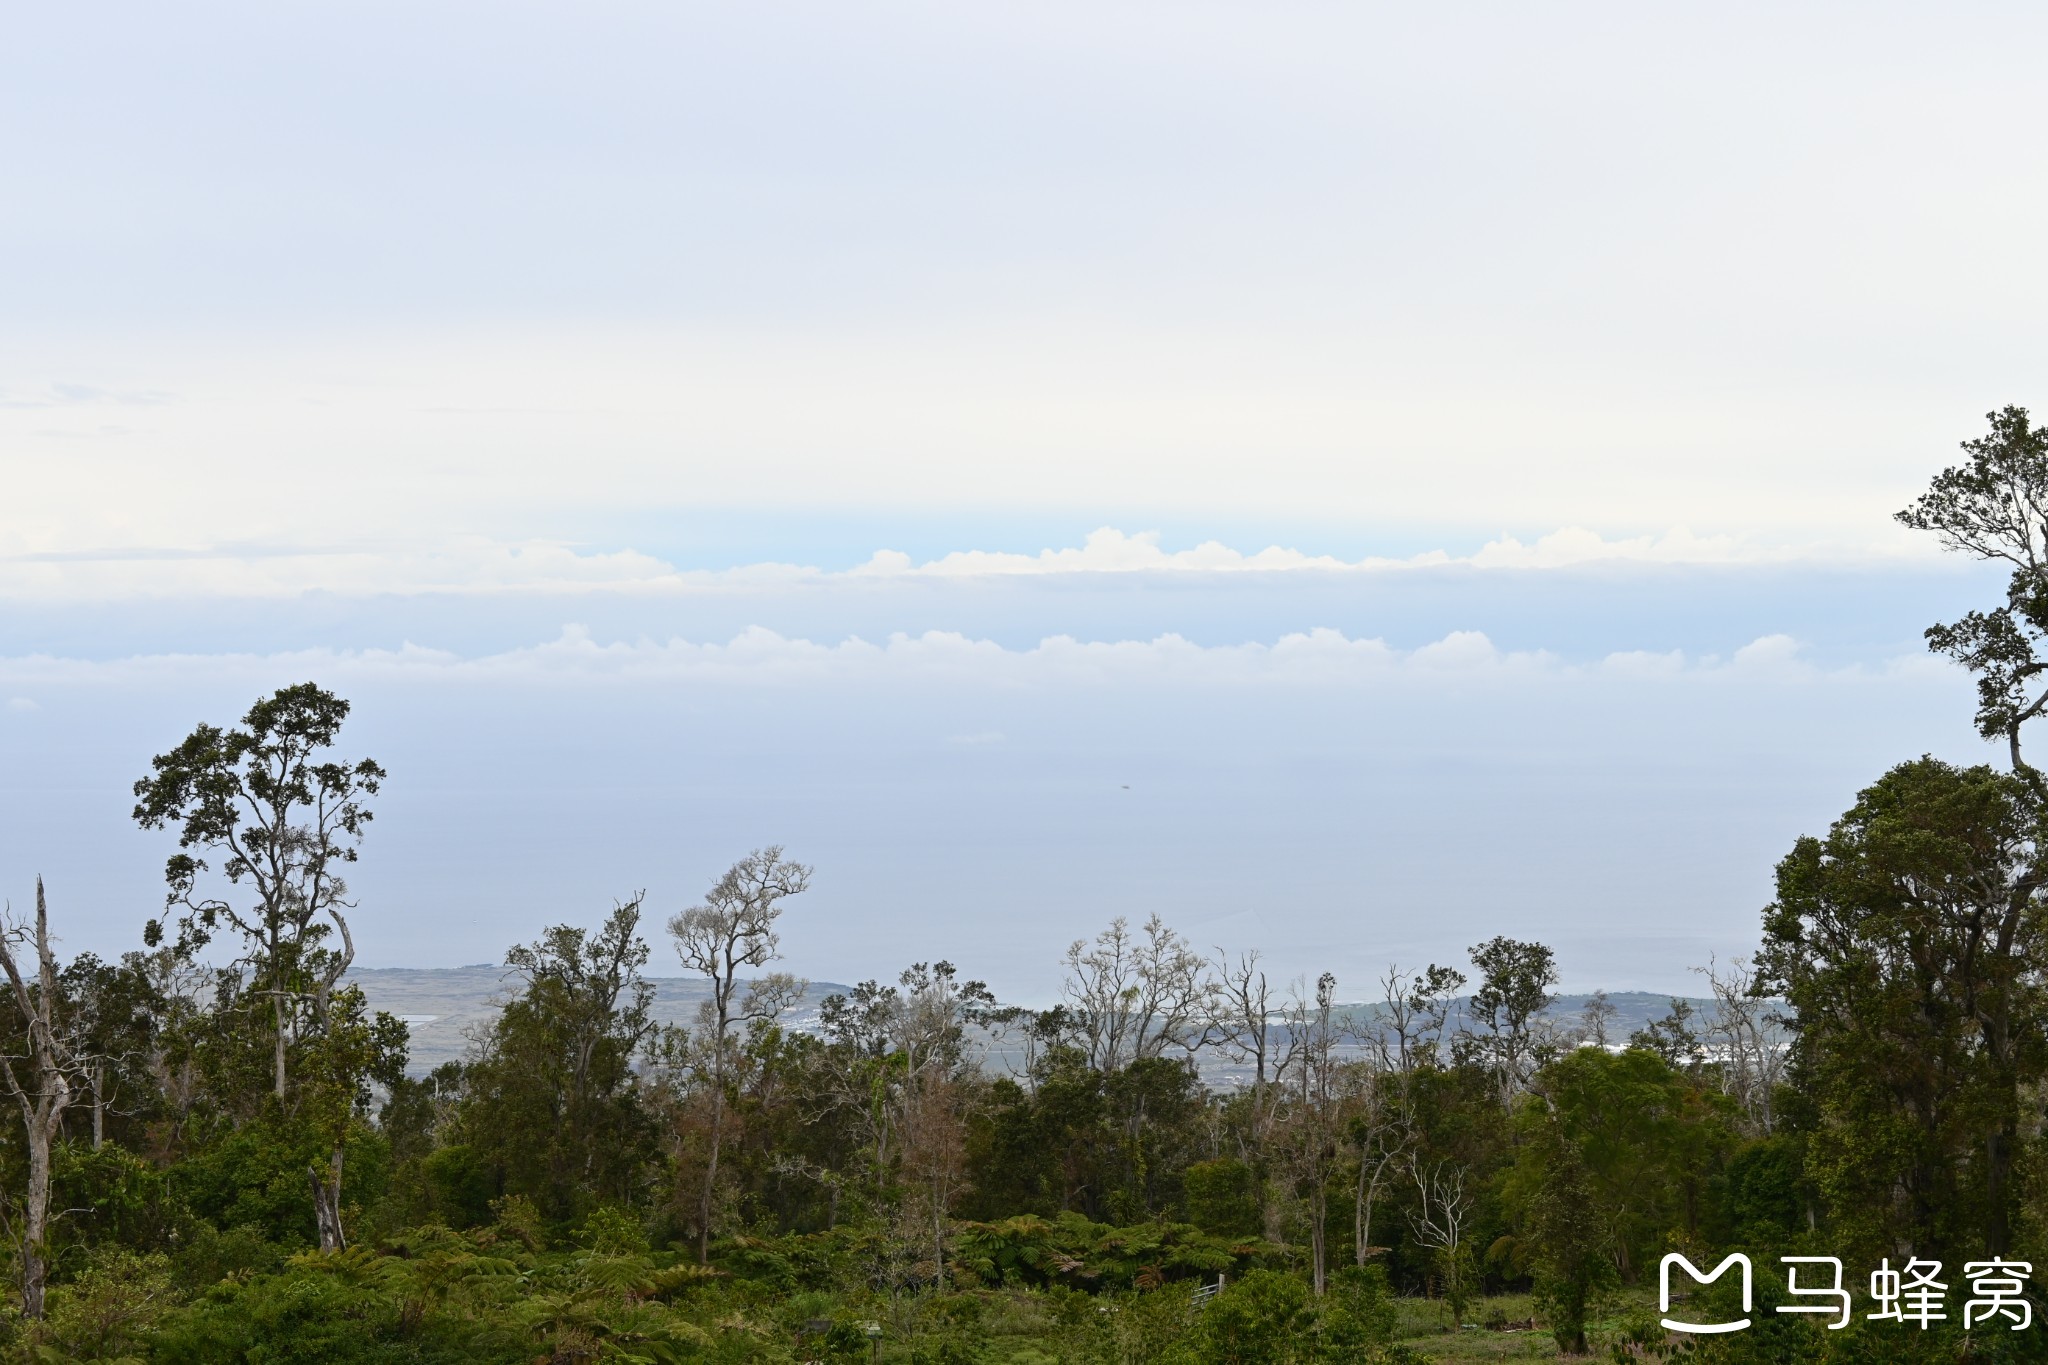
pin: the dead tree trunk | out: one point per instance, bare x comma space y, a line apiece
40, 1079
327, 1203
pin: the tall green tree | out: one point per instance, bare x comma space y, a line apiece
1570, 1244
551, 1104
1646, 1143
1911, 944
1514, 988
284, 818
1994, 507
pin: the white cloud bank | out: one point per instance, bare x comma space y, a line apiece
1109, 550
757, 656
483, 565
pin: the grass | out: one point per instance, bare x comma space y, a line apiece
1425, 1326
1016, 1328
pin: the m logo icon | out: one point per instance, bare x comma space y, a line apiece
1664, 1292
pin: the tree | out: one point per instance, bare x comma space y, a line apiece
352, 1050
1597, 1015
1135, 997
285, 822
550, 1102
928, 1041
1241, 1020
45, 1077
1416, 1012
1514, 988
732, 930
1382, 1129
1910, 944
1743, 1036
1994, 507
1645, 1143
1569, 1248
117, 1014
1673, 1037
1311, 1133
1440, 1220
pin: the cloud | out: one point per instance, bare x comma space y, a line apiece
1770, 653
477, 564
758, 656
466, 565
22, 704
1109, 550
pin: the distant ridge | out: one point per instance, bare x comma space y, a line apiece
442, 1005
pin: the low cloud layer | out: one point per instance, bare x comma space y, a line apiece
758, 656
482, 565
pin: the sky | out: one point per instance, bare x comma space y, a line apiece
1353, 479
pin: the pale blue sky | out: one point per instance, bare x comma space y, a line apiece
592, 392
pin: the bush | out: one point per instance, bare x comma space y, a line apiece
1264, 1317
1357, 1313
110, 1307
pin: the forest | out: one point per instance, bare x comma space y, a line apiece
222, 1156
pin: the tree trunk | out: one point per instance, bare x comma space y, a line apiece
277, 1005
42, 1103
35, 1269
327, 1203
1368, 1194
1319, 1245
1318, 1234
99, 1105
710, 1172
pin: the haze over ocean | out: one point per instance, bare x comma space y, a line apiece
681, 429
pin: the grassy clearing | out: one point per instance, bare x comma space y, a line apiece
1496, 1328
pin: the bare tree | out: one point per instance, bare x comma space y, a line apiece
1598, 1014
1442, 1209
928, 1033
1242, 1011
1392, 1032
1136, 997
1312, 1129
901, 1076
734, 930
1384, 1130
45, 1077
1742, 1037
